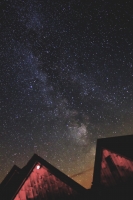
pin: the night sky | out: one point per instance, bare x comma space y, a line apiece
66, 79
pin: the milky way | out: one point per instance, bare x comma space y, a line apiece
66, 79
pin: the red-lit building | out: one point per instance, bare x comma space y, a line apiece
112, 179
113, 169
39, 180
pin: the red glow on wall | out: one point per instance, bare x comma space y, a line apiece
41, 184
115, 169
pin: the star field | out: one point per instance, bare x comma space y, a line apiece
66, 79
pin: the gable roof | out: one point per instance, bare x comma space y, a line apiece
122, 145
8, 192
11, 175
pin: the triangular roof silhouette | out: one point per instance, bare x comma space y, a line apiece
21, 182
39, 180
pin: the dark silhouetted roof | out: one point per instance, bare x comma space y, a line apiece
15, 180
113, 163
